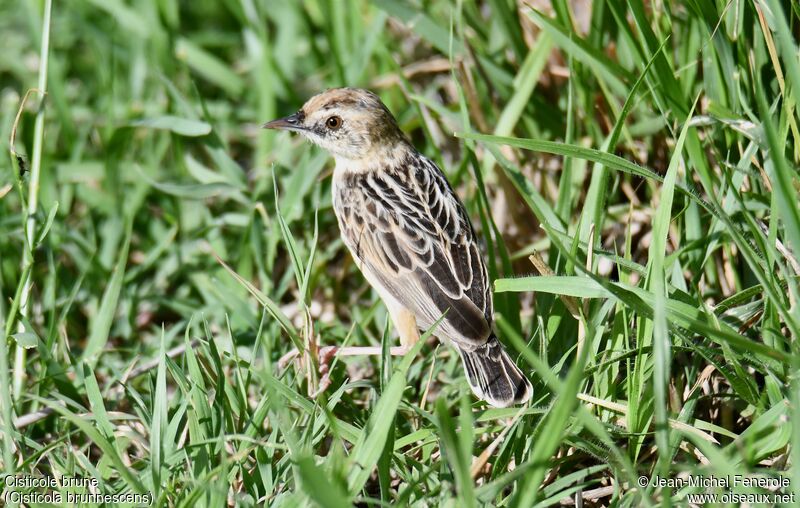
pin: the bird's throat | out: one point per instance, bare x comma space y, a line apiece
380, 158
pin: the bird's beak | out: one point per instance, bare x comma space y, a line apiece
290, 123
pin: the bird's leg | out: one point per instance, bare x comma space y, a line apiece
330, 351
327, 353
406, 324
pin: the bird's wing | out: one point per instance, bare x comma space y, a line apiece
409, 232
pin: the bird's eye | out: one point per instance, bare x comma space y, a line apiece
333, 123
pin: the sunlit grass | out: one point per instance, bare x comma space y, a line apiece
646, 157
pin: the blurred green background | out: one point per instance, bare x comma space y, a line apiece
644, 152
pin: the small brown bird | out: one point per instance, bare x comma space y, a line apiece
409, 235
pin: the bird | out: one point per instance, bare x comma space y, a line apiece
410, 235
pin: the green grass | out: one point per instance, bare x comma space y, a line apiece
159, 253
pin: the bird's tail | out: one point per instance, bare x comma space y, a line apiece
494, 377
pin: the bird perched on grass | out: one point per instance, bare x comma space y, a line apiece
409, 235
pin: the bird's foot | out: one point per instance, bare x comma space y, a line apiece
328, 352
326, 355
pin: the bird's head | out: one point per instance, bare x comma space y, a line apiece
350, 123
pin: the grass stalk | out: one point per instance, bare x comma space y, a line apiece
33, 198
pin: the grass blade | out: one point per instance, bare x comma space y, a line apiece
100, 327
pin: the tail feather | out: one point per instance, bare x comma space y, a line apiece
494, 377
